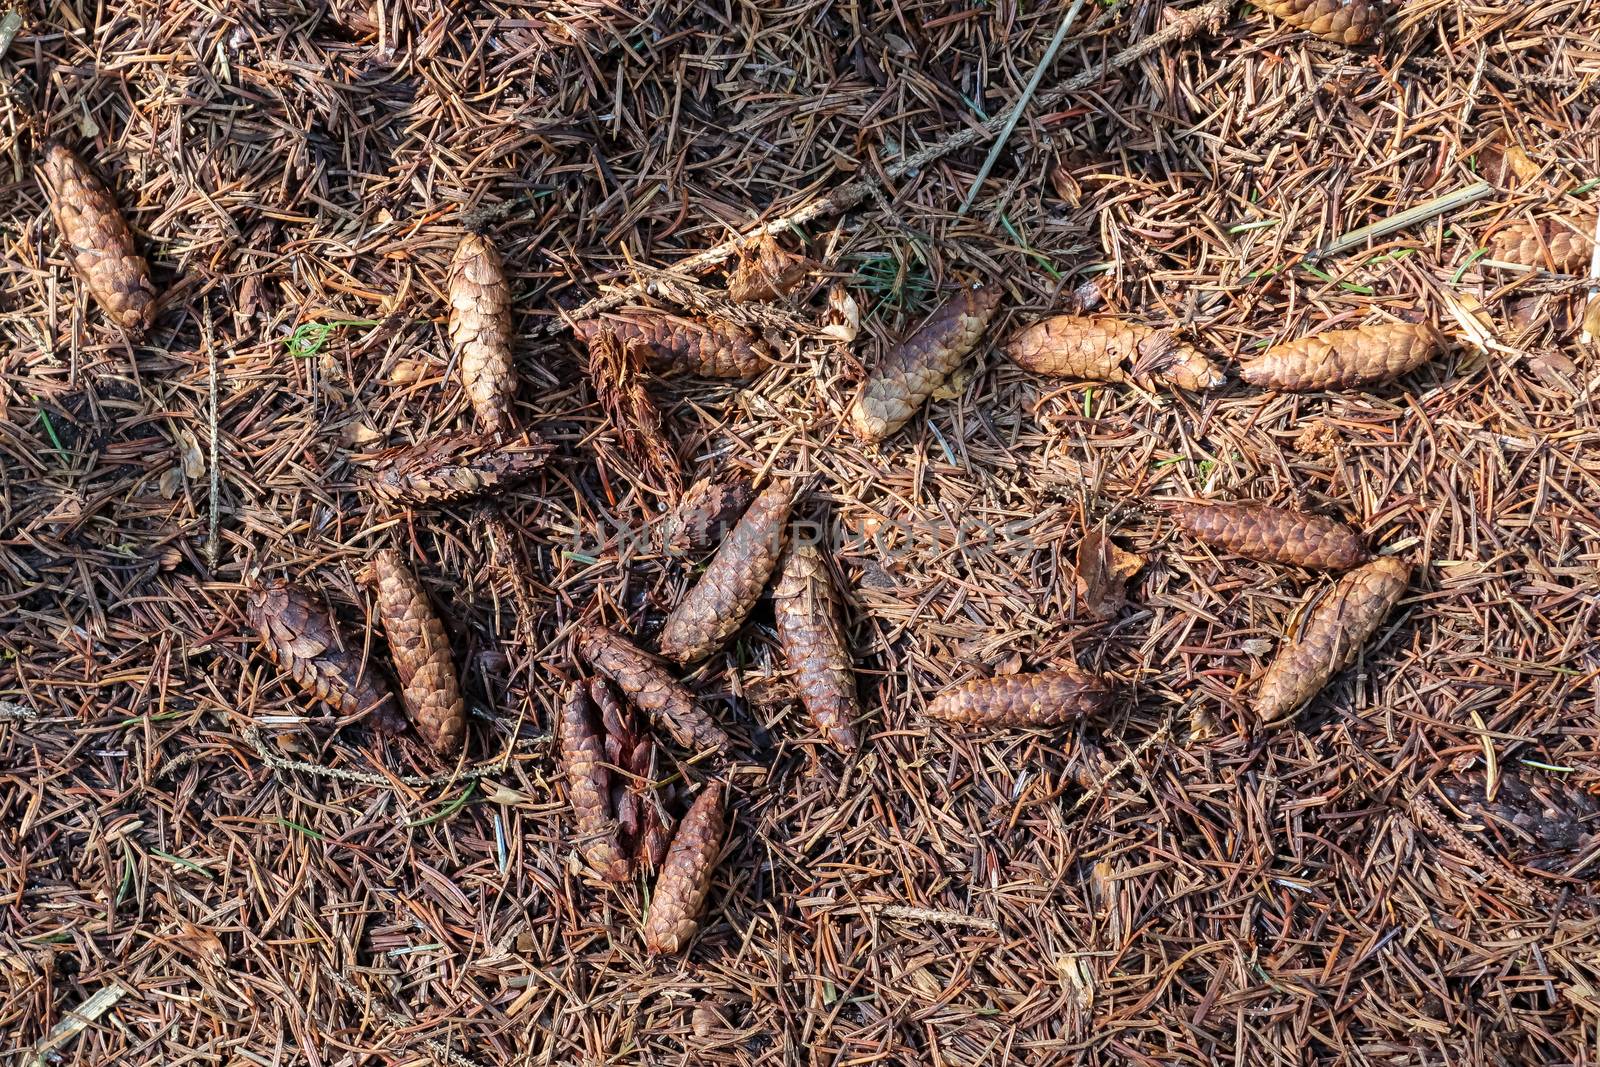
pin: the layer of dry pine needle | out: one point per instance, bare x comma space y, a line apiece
197, 867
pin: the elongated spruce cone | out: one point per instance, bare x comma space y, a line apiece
420, 649
300, 636
1340, 21
731, 584
98, 240
1331, 636
455, 467
1340, 359
648, 686
1551, 246
916, 368
1042, 699
710, 348
480, 331
685, 880
1545, 819
1272, 535
1104, 348
584, 761
811, 634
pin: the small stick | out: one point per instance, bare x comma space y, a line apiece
418, 781
1022, 102
8, 30
211, 422
78, 1020
1439, 205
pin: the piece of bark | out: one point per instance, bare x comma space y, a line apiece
1103, 570
480, 331
647, 684
811, 634
719, 602
913, 370
685, 880
99, 244
300, 636
1042, 699
1331, 636
420, 649
1340, 359
1104, 348
710, 348
455, 467
1269, 534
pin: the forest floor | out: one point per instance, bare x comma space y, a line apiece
198, 865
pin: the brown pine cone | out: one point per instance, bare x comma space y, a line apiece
454, 467
1042, 699
917, 367
1272, 535
1338, 359
420, 649
300, 636
1552, 246
811, 633
1104, 348
1331, 636
480, 331
731, 584
705, 513
646, 684
98, 240
710, 348
686, 875
1339, 21
643, 826
584, 760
